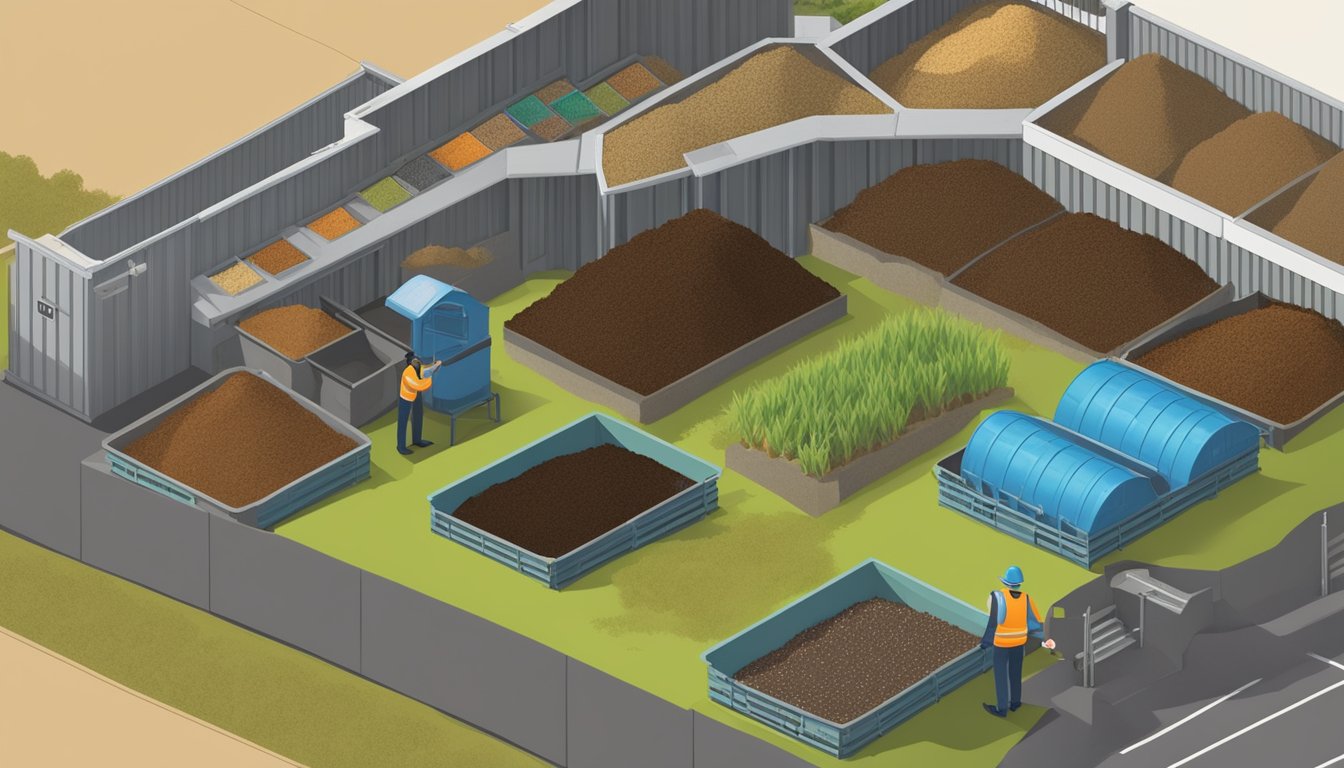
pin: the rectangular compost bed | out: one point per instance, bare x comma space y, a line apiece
691, 491
1300, 228
279, 341
949, 624
666, 317
315, 435
1274, 365
1081, 286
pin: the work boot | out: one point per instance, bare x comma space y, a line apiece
1014, 707
403, 451
995, 711
423, 443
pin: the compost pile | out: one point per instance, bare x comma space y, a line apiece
1089, 279
671, 301
1279, 361
854, 661
295, 331
1249, 161
240, 442
1146, 115
1000, 55
768, 89
944, 215
1315, 219
566, 502
437, 255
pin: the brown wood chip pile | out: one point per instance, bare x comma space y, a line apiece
1314, 216
295, 331
277, 257
438, 255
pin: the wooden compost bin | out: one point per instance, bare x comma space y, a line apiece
593, 430
346, 470
871, 579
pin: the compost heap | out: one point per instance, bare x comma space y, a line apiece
1280, 361
944, 214
437, 255
566, 502
1250, 160
1089, 279
854, 661
1316, 220
295, 331
1146, 115
768, 89
240, 442
1001, 55
671, 301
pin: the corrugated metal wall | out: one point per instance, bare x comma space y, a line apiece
47, 354
557, 221
288, 141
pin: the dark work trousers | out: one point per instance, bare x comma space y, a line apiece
415, 411
1008, 675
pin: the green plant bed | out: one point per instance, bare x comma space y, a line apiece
385, 195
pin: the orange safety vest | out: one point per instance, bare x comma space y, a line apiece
1012, 629
412, 385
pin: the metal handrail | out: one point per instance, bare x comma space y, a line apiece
1325, 553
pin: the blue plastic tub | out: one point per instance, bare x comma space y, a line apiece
869, 580
593, 430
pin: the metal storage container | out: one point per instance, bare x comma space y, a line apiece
297, 375
346, 470
593, 430
868, 580
359, 376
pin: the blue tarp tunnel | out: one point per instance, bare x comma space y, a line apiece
1153, 422
448, 324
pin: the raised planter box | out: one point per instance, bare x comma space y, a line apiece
346, 470
593, 430
818, 495
1276, 435
650, 408
359, 376
297, 375
869, 580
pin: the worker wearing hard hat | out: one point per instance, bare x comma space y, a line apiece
1012, 618
414, 380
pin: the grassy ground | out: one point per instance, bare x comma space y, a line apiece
273, 695
37, 205
843, 11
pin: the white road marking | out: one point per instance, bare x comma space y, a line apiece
1188, 718
1331, 662
1331, 762
1256, 724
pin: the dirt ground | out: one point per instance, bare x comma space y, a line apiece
56, 712
127, 93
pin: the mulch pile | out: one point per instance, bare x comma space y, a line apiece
1089, 279
566, 502
945, 214
1000, 55
1280, 361
852, 662
439, 256
277, 257
671, 301
240, 443
1146, 115
1315, 218
295, 331
1250, 160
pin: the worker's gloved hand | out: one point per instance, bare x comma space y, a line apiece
1049, 644
984, 646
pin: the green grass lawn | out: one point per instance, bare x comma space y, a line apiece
843, 11
649, 615
268, 693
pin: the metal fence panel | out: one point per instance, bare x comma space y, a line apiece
613, 724
719, 746
48, 310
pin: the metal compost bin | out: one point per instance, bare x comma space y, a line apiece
358, 377
869, 580
346, 470
593, 430
296, 375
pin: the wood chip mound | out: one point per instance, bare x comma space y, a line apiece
1001, 55
768, 89
236, 279
277, 257
295, 331
437, 255
1312, 216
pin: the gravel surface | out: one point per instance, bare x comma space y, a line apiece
1146, 115
1000, 55
241, 442
854, 661
437, 255
277, 257
422, 173
576, 108
552, 128
1280, 361
498, 132
385, 195
555, 91
606, 98
945, 214
236, 279
461, 152
295, 331
768, 89
1089, 279
671, 301
635, 81
562, 504
1315, 218
529, 111
1250, 160
335, 224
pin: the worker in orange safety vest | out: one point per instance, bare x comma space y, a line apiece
410, 407
1012, 618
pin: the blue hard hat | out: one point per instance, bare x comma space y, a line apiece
1012, 577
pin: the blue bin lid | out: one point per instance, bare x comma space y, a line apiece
417, 296
1152, 421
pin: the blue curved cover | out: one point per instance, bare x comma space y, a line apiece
1044, 466
1153, 422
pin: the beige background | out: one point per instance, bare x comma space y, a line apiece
55, 712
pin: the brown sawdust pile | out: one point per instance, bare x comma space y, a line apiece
295, 331
1316, 219
277, 257
438, 255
